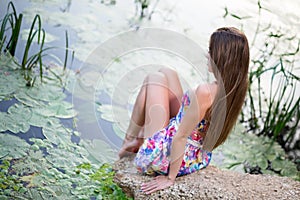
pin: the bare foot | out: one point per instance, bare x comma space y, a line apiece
130, 146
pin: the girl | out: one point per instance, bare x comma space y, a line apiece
186, 131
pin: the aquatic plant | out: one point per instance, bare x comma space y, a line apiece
48, 164
142, 7
249, 153
13, 21
275, 114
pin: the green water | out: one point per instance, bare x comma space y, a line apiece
55, 136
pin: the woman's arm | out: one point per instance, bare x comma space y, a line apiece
199, 103
200, 100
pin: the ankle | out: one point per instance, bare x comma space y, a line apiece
129, 137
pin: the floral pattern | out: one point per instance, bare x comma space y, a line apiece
153, 156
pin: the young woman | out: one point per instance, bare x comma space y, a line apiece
186, 131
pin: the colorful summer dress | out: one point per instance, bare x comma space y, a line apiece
153, 156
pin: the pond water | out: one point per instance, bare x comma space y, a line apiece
92, 23
111, 59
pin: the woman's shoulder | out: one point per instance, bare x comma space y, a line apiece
208, 89
206, 92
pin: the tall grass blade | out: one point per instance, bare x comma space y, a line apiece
11, 5
3, 26
2, 43
67, 50
30, 39
15, 36
40, 54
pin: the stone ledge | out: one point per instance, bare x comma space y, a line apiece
209, 183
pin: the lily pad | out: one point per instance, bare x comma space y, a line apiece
62, 109
13, 146
99, 151
278, 164
8, 62
39, 120
253, 151
14, 123
262, 163
46, 93
22, 97
114, 113
120, 133
55, 136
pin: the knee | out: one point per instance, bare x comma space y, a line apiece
168, 71
156, 77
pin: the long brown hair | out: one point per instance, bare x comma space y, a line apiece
229, 53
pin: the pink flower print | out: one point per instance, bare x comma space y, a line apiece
171, 131
195, 135
150, 146
183, 163
186, 100
164, 165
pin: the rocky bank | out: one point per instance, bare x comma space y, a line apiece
209, 183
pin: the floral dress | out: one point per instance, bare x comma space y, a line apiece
153, 156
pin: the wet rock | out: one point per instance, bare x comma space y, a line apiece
209, 183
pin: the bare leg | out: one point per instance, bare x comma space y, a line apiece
175, 90
157, 113
132, 141
157, 101
150, 113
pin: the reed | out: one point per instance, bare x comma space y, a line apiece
274, 113
15, 22
8, 43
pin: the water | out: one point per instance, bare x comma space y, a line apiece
104, 92
90, 23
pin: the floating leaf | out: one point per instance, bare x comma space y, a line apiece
56, 134
39, 120
66, 156
13, 146
253, 151
41, 143
46, 93
262, 163
271, 156
114, 113
118, 131
99, 151
22, 97
2, 124
8, 62
62, 109
290, 171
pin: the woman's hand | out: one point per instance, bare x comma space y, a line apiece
158, 183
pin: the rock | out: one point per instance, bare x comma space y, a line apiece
208, 183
